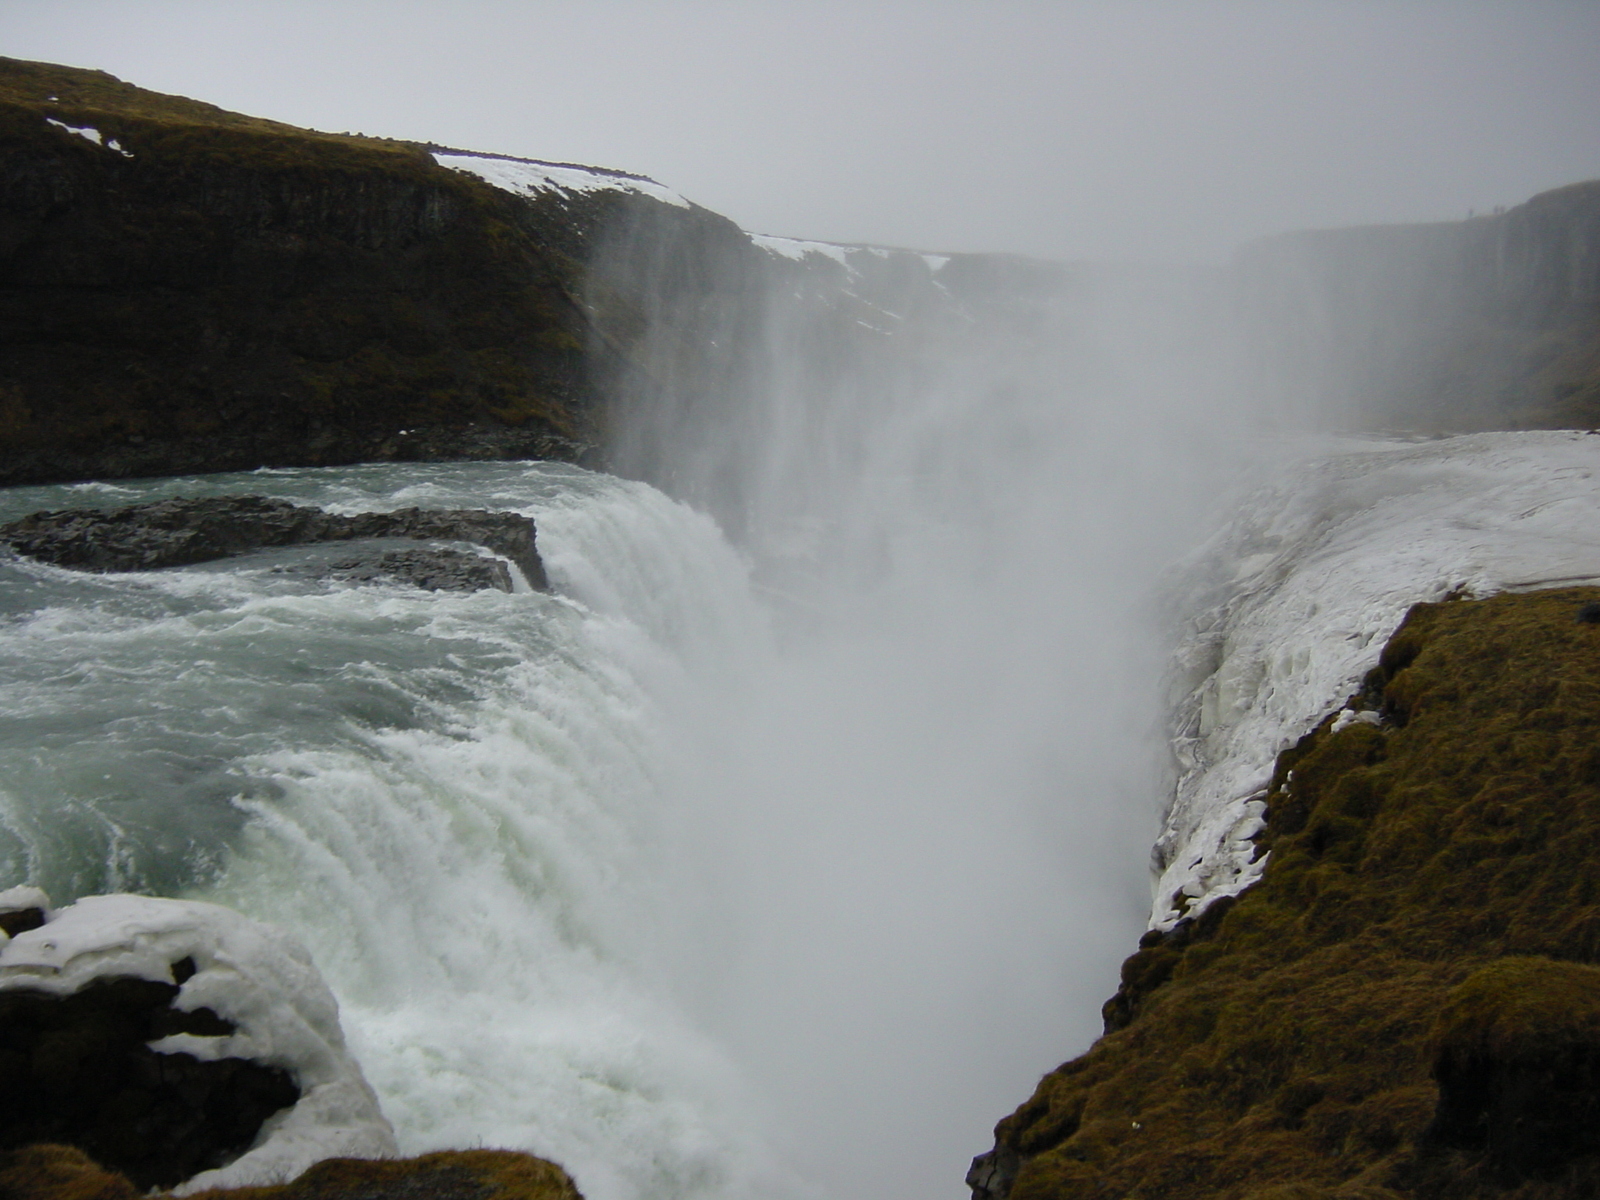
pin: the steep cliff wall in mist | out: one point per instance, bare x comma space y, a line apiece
1488, 323
187, 289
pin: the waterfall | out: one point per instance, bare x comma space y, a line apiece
457, 801
920, 831
777, 851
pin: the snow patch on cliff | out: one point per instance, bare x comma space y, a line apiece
527, 177
89, 134
252, 975
849, 257
799, 249
1298, 594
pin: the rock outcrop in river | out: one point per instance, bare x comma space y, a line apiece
182, 532
162, 1044
173, 1041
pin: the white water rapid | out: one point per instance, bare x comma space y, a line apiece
773, 871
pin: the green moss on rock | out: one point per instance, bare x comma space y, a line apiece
1517, 1059
50, 1172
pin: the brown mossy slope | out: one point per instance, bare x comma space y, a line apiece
48, 1172
222, 292
1402, 1006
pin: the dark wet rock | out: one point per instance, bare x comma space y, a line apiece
992, 1174
21, 920
78, 1070
182, 532
435, 570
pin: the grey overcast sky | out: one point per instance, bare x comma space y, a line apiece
1145, 129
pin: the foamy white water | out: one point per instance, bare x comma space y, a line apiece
457, 801
693, 885
925, 823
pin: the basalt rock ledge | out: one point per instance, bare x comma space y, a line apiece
183, 532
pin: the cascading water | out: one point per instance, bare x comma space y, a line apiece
778, 870
455, 800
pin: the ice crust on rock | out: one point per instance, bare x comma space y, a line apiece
528, 177
256, 977
18, 898
1297, 595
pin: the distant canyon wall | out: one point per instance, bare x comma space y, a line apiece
1488, 323
187, 289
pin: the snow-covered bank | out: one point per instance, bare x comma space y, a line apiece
528, 177
257, 979
1296, 596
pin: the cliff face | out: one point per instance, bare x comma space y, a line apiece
186, 289
1407, 1003
1488, 323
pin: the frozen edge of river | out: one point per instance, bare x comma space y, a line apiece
1288, 605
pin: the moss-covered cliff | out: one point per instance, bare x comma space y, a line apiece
187, 289
1408, 1003
47, 1172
